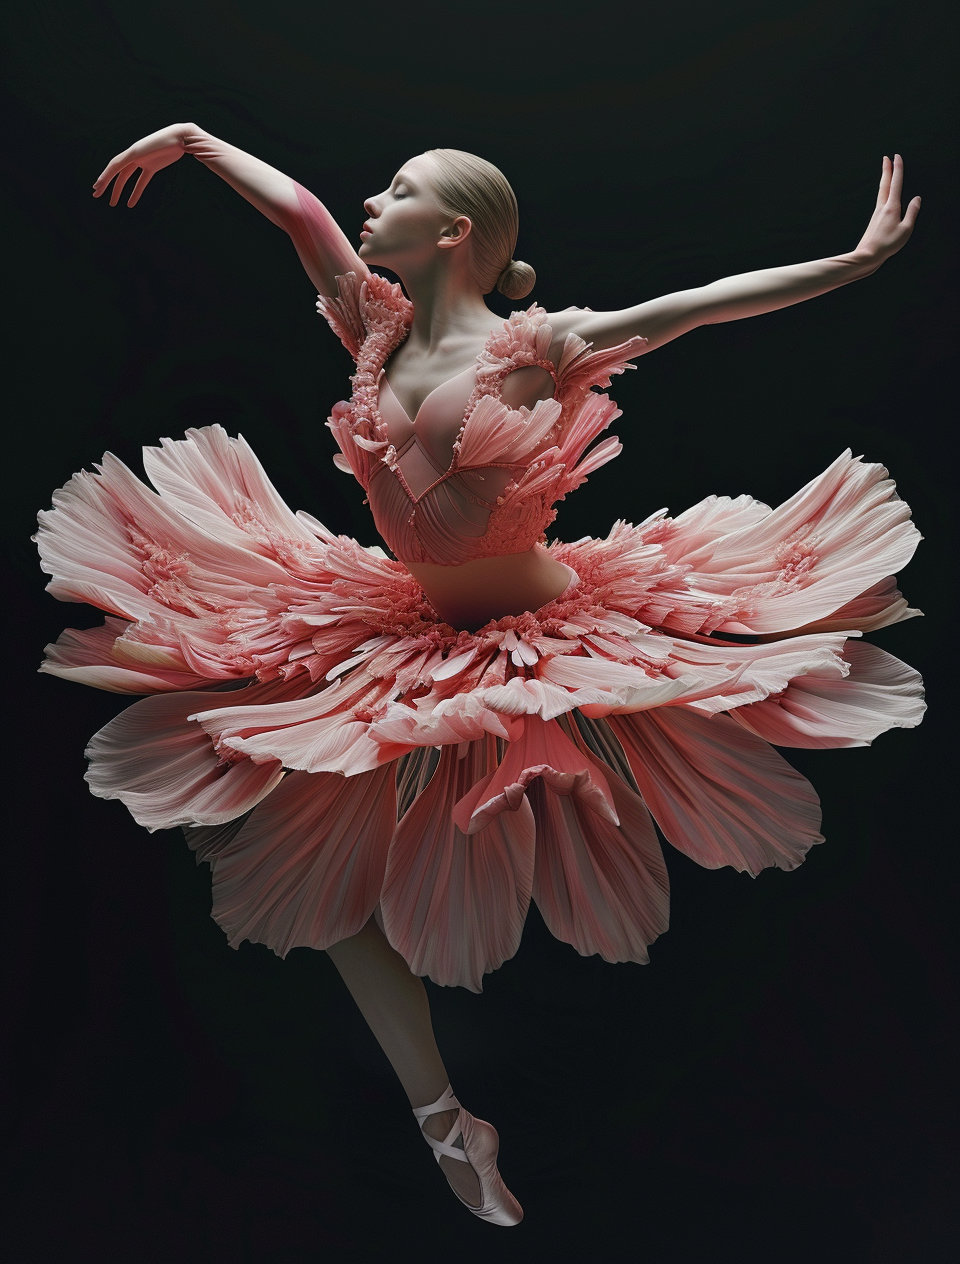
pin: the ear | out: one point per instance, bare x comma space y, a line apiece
456, 234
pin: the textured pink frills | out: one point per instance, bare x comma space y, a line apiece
291, 669
545, 445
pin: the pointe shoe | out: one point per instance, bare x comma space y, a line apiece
480, 1146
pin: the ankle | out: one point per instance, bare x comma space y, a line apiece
439, 1125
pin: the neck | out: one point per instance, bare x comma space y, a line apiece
444, 304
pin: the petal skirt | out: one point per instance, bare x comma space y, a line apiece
335, 751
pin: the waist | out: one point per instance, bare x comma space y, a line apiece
471, 594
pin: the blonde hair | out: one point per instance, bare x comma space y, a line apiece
467, 185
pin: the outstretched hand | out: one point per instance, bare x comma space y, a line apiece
887, 232
150, 155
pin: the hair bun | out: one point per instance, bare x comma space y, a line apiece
516, 280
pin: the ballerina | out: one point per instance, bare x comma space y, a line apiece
388, 758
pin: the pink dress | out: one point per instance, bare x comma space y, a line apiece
334, 750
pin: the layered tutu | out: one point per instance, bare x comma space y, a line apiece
335, 751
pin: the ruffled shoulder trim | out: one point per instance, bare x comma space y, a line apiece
373, 305
526, 338
523, 339
580, 367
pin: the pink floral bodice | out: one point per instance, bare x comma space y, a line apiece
468, 477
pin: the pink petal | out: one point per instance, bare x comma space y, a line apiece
218, 483
165, 768
719, 793
98, 657
494, 432
437, 722
102, 529
542, 750
529, 696
315, 734
827, 710
306, 868
831, 542
878, 607
756, 671
710, 519
454, 905
601, 887
625, 686
580, 367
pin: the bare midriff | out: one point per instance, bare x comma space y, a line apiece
470, 595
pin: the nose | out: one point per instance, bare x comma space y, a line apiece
372, 207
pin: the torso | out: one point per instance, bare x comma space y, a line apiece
470, 595
422, 401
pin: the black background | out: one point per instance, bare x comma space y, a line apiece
772, 1086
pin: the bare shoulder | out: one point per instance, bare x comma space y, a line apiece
563, 324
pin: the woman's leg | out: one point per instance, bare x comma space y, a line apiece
394, 1002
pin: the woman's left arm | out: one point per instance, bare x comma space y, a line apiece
752, 293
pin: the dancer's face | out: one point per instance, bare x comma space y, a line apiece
405, 226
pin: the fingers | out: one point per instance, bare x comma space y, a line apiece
116, 163
896, 182
123, 175
913, 210
145, 178
106, 175
885, 174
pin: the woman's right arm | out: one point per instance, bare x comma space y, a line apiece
322, 246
